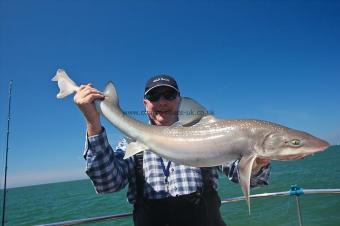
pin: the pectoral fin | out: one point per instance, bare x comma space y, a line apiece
134, 148
245, 168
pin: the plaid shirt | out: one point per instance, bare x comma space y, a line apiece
109, 172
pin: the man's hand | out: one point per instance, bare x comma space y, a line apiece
85, 98
259, 163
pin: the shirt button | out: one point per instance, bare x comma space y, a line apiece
172, 169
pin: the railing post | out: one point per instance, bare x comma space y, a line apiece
297, 191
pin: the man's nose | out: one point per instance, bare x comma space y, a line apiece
162, 101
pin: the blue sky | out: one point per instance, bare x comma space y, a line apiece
272, 60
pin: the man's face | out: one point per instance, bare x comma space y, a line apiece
162, 105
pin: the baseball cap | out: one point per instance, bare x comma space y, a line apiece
160, 80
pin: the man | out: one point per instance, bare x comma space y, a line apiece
163, 192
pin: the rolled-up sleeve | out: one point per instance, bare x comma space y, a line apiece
106, 168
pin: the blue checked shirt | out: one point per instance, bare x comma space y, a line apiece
109, 172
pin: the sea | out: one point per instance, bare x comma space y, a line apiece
50, 203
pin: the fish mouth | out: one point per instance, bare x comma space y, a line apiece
292, 157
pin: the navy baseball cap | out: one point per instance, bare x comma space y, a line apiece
160, 80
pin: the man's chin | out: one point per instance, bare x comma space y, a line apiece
163, 120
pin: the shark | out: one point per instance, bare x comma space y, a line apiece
202, 140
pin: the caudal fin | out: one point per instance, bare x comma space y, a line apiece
65, 84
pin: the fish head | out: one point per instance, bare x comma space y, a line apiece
289, 144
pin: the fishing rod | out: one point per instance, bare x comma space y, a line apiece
7, 142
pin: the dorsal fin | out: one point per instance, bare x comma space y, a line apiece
111, 93
190, 112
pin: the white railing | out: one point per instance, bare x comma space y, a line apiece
294, 191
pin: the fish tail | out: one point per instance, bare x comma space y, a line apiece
65, 84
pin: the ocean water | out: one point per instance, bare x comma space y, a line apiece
50, 203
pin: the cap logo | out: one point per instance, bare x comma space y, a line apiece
161, 79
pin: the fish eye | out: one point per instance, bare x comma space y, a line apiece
295, 142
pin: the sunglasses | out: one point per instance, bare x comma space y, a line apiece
155, 96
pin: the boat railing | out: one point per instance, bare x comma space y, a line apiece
294, 191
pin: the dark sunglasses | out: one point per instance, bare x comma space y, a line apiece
155, 96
